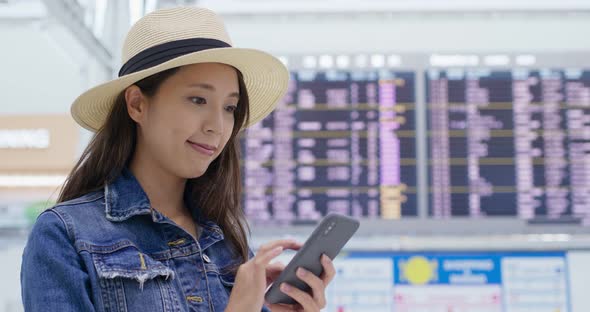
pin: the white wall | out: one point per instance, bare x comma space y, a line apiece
39, 75
413, 32
10, 258
44, 68
579, 278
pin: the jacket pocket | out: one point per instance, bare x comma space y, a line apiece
132, 281
227, 280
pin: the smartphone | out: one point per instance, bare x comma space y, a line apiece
328, 238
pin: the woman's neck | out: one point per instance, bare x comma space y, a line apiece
164, 190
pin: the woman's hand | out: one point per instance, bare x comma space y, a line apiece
308, 302
253, 276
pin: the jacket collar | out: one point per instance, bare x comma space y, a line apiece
125, 198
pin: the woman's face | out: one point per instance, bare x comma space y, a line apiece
190, 119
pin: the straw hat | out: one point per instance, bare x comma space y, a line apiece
175, 37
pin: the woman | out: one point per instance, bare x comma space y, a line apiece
149, 219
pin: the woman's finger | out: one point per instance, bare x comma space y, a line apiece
329, 270
262, 258
271, 250
275, 267
303, 298
316, 284
281, 307
285, 243
273, 271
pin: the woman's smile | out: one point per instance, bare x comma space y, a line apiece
205, 149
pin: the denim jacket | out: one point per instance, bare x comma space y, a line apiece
108, 251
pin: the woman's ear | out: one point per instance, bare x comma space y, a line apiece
136, 104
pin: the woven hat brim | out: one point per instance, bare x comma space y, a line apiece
266, 80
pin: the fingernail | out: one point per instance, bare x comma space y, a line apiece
277, 250
301, 272
326, 258
285, 288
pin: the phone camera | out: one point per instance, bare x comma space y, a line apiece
329, 228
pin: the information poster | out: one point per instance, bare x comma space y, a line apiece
534, 284
361, 285
450, 282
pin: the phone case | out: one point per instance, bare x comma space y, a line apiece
327, 238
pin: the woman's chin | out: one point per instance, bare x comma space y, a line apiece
194, 172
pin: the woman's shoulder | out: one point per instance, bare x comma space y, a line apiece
80, 206
87, 198
70, 216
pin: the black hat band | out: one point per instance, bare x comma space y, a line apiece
164, 52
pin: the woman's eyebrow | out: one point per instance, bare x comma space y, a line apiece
209, 87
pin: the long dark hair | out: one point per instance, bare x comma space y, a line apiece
217, 193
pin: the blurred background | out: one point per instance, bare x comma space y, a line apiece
458, 132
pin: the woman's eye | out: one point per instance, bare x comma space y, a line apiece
231, 108
197, 100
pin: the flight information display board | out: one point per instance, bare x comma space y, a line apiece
509, 143
340, 141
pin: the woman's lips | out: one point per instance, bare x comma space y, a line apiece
203, 148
